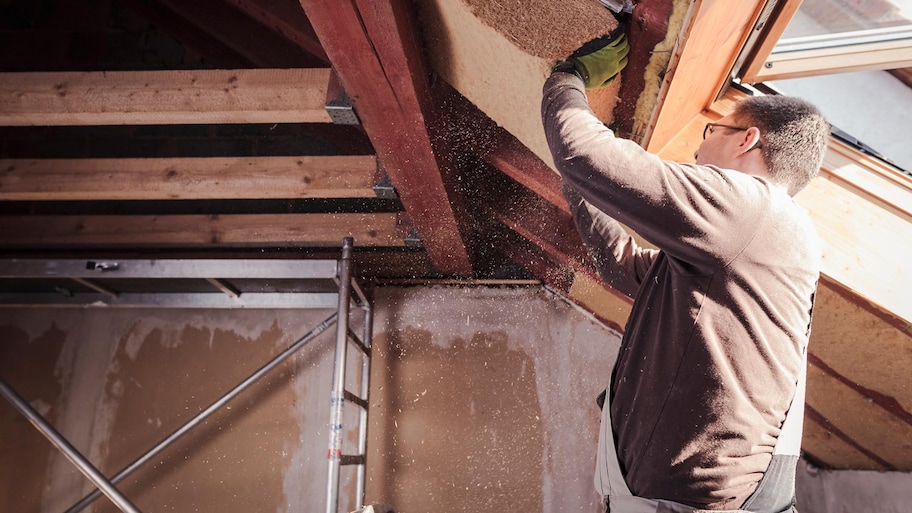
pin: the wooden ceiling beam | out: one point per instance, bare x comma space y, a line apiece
164, 97
288, 19
188, 178
218, 30
374, 49
200, 231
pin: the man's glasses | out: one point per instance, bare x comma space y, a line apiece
710, 127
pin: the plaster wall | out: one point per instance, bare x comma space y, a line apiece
482, 399
117, 381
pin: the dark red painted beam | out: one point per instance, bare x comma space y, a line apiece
817, 417
288, 19
222, 33
373, 46
544, 224
647, 27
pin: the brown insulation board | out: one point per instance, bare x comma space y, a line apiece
498, 53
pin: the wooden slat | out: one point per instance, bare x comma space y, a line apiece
269, 230
373, 48
873, 179
164, 97
188, 178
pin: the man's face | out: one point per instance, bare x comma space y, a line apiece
720, 144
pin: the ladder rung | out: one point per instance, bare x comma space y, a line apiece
358, 342
350, 397
351, 459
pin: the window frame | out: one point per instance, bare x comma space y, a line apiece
875, 49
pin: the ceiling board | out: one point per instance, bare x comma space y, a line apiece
200, 231
164, 97
189, 178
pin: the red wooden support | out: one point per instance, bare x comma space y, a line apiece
374, 48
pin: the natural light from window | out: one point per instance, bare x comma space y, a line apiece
872, 106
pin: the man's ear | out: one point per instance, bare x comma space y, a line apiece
750, 139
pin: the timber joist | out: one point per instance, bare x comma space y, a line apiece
151, 203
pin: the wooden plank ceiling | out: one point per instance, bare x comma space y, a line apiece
186, 129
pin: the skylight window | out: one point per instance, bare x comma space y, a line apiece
833, 53
834, 36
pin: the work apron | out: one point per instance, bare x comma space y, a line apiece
609, 481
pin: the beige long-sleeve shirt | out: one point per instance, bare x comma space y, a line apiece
713, 346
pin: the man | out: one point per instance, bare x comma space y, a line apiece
713, 353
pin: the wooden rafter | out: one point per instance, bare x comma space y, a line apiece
199, 231
221, 32
164, 97
286, 18
188, 178
374, 50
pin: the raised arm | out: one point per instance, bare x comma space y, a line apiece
676, 207
619, 260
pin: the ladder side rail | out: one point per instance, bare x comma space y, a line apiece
337, 397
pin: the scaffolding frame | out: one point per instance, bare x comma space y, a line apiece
92, 287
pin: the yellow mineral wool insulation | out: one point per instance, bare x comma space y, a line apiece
656, 70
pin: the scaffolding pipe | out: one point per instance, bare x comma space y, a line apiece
365, 395
61, 443
337, 397
203, 415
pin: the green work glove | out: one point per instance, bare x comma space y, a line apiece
600, 60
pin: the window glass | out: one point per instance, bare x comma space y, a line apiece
829, 17
872, 108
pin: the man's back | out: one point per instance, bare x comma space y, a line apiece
713, 347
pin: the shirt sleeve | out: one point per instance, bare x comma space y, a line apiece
687, 211
619, 260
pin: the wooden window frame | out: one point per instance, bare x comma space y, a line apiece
762, 63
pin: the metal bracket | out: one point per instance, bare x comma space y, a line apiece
340, 110
413, 240
384, 189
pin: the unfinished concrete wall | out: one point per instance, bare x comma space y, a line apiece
482, 399
117, 381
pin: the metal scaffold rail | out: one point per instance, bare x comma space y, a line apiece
94, 283
339, 395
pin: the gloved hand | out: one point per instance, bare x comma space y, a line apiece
601, 59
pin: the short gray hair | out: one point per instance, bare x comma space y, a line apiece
793, 135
